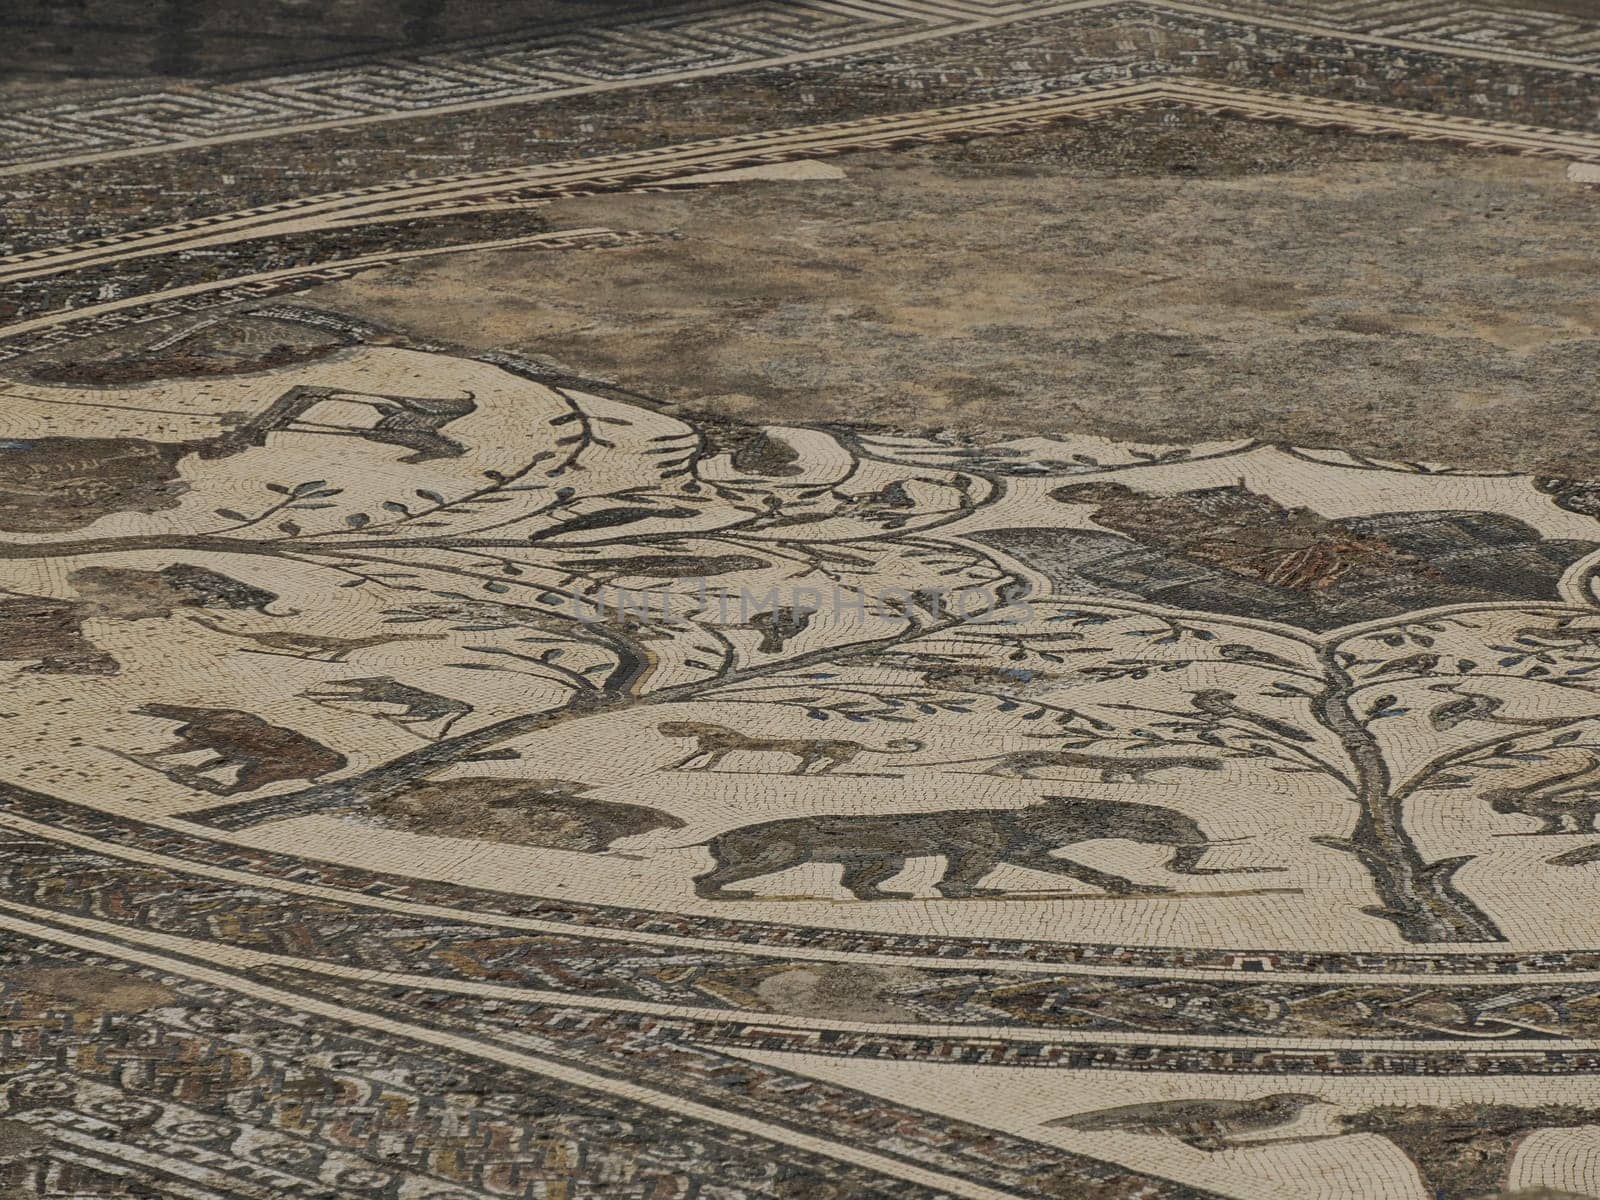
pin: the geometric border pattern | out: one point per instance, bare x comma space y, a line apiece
663, 166
693, 44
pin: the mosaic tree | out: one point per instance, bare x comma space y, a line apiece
608, 556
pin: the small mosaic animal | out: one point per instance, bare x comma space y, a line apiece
322, 647
417, 706
713, 743
1023, 763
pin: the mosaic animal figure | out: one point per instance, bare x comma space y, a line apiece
713, 743
1464, 1151
319, 646
1023, 763
50, 484
261, 753
1562, 792
524, 812
412, 422
417, 705
973, 842
779, 625
129, 594
49, 633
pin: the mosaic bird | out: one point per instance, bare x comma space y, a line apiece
1215, 702
667, 566
1563, 634
779, 625
607, 518
1237, 653
1466, 1149
1474, 706
1411, 664
1209, 1125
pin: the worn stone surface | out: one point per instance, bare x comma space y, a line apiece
1165, 277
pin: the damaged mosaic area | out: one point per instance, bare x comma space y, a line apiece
916, 600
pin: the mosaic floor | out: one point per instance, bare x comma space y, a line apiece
823, 600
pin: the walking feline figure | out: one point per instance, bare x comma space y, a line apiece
418, 707
713, 743
316, 647
973, 842
1023, 763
